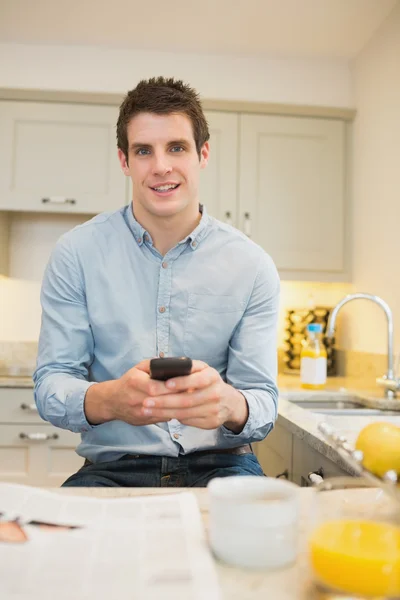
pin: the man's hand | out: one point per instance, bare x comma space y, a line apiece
122, 399
201, 399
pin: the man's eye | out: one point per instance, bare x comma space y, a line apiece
142, 151
177, 148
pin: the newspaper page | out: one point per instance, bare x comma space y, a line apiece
141, 548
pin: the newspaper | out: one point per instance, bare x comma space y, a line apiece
141, 548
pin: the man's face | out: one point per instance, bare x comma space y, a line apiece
163, 163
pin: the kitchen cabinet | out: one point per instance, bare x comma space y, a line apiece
59, 157
282, 454
32, 451
279, 179
307, 460
292, 193
275, 453
218, 181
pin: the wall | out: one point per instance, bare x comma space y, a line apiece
310, 82
376, 187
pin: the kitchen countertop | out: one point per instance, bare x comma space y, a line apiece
16, 382
290, 583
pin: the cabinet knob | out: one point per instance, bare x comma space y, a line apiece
228, 217
58, 200
247, 224
31, 407
316, 477
284, 475
38, 437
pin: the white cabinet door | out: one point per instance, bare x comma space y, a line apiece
291, 193
307, 460
59, 158
40, 455
218, 181
275, 453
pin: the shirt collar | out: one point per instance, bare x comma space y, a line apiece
195, 237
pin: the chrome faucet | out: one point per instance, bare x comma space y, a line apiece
389, 382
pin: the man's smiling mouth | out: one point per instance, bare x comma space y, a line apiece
165, 188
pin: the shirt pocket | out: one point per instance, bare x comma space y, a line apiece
210, 323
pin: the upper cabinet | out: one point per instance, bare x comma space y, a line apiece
292, 191
279, 179
218, 181
59, 157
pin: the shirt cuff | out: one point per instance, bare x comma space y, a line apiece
77, 420
249, 426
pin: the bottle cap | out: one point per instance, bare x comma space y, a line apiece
314, 327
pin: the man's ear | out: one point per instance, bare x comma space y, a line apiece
204, 155
123, 162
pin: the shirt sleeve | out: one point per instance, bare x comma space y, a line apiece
66, 345
252, 357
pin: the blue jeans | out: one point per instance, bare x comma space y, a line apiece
191, 470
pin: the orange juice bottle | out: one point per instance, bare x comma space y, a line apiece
313, 363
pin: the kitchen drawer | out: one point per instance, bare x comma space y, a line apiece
17, 405
40, 455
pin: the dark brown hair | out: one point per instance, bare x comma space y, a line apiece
162, 96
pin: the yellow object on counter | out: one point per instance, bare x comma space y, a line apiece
380, 445
313, 359
357, 557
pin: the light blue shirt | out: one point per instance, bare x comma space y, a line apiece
110, 299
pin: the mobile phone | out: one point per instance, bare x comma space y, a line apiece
171, 366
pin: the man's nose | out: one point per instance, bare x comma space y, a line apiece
161, 165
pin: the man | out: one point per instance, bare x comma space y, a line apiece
159, 277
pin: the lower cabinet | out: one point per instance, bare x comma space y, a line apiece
282, 454
33, 452
307, 460
275, 453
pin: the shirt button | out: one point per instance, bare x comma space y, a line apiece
139, 240
162, 309
176, 436
146, 237
161, 354
194, 244
164, 265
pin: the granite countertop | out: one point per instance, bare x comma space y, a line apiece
16, 382
291, 583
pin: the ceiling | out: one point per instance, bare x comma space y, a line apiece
274, 28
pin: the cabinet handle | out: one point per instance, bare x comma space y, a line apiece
316, 477
284, 475
58, 200
31, 407
228, 217
38, 437
247, 224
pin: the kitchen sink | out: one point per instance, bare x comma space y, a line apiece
340, 404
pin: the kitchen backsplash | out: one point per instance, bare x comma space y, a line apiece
17, 359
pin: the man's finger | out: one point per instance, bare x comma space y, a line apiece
198, 380
182, 400
144, 365
198, 365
